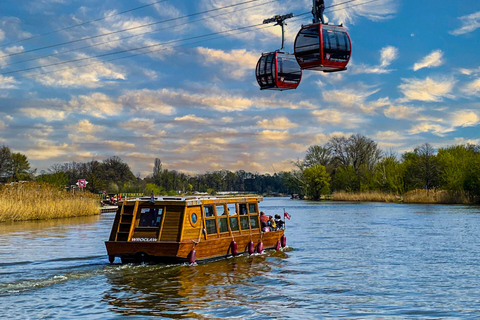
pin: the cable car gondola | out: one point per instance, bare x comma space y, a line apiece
323, 47
278, 70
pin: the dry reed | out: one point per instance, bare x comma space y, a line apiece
373, 196
435, 196
37, 201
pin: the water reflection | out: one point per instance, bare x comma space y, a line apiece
225, 288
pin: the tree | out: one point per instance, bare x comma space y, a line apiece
317, 155
5, 163
157, 171
317, 181
20, 167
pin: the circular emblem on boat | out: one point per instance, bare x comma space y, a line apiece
194, 219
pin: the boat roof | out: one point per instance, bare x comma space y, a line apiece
197, 200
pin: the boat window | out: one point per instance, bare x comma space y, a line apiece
150, 217
232, 209
234, 224
254, 222
220, 210
252, 208
307, 45
243, 208
211, 225
208, 211
244, 223
222, 225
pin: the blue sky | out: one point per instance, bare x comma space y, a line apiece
414, 77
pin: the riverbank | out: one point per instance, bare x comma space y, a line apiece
414, 196
41, 201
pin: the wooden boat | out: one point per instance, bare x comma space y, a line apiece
188, 229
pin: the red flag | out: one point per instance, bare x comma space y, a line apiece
286, 215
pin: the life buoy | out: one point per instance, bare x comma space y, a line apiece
233, 247
277, 247
192, 256
251, 247
283, 240
260, 247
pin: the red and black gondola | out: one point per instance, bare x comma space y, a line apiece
323, 47
278, 71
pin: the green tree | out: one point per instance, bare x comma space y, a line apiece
346, 179
388, 175
20, 167
5, 163
317, 181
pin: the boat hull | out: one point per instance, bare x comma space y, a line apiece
209, 249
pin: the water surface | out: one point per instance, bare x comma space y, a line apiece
350, 260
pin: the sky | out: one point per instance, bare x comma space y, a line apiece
145, 79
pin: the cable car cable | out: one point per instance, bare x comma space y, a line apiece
134, 55
161, 44
139, 34
81, 24
128, 29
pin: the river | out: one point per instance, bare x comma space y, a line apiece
343, 260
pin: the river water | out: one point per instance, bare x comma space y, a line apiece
343, 260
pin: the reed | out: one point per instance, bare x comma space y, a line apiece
38, 201
373, 196
435, 196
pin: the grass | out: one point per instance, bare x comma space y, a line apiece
414, 196
38, 201
374, 196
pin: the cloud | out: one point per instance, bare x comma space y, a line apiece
119, 145
277, 123
470, 23
47, 150
7, 82
236, 64
335, 117
387, 56
139, 125
375, 11
95, 75
426, 90
465, 118
149, 100
436, 129
47, 114
402, 112
388, 135
434, 59
4, 59
348, 97
98, 105
192, 118
472, 88
85, 127
2, 125
274, 135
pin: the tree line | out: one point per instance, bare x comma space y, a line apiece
352, 164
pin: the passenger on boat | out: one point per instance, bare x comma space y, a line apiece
278, 221
264, 220
272, 224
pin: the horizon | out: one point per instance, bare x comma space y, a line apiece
414, 78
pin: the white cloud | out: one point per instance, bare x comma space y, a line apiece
335, 117
388, 135
95, 75
375, 11
85, 127
119, 145
387, 56
402, 112
139, 125
425, 127
434, 59
274, 135
47, 114
472, 88
236, 64
97, 104
427, 90
191, 118
348, 97
277, 123
7, 82
470, 23
465, 118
